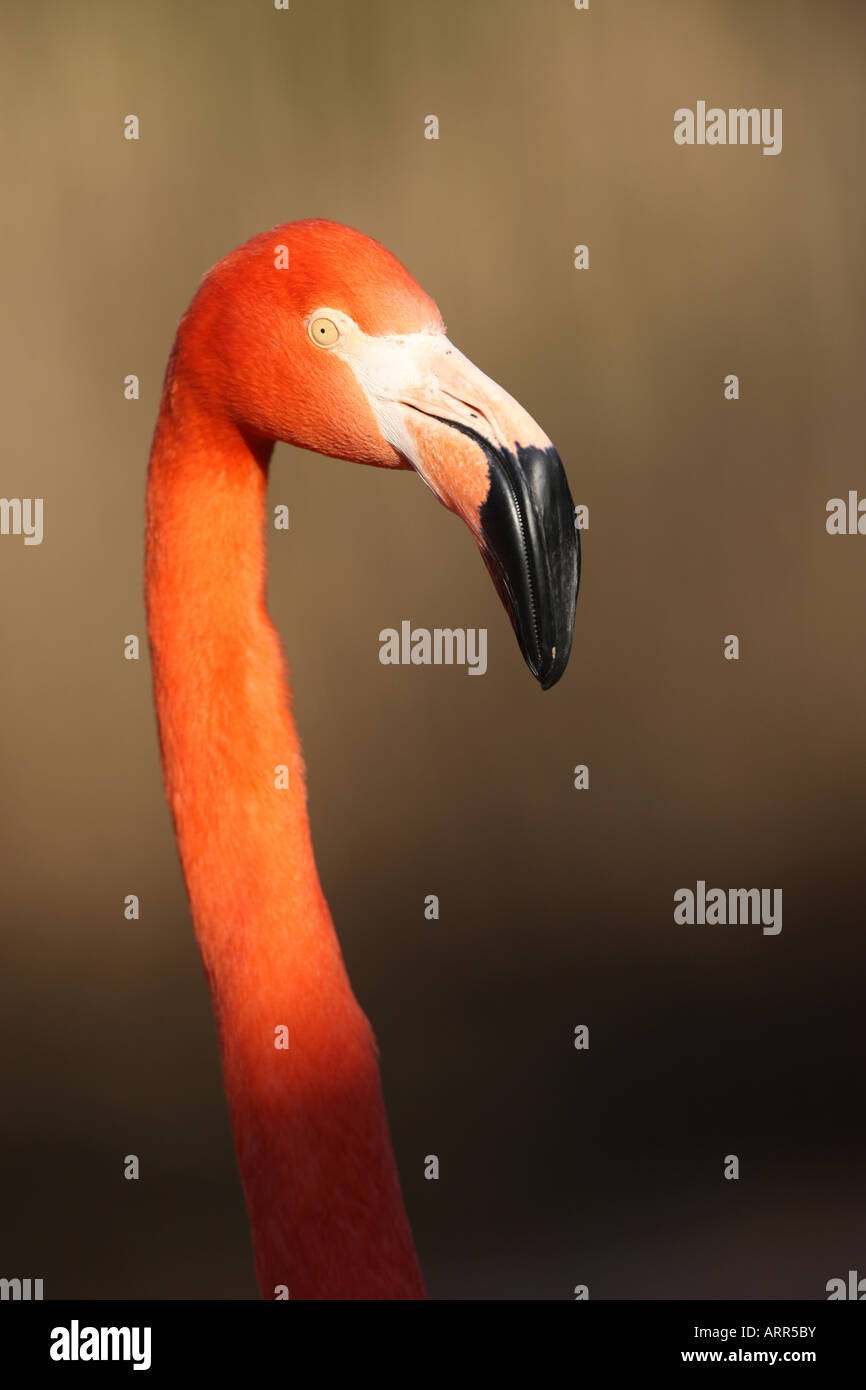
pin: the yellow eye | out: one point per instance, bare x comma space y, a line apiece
324, 332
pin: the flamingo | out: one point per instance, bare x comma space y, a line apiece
314, 334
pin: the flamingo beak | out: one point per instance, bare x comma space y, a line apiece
532, 552
487, 460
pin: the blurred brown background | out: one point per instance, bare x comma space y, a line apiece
706, 517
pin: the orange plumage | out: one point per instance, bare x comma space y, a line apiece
311, 1134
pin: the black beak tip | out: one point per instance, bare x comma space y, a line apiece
533, 552
552, 668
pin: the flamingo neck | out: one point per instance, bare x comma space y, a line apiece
309, 1122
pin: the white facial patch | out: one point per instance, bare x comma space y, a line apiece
386, 369
424, 372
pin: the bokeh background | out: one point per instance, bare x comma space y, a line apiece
707, 517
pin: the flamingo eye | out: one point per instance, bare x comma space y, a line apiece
323, 331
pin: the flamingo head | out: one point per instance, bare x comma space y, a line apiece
315, 334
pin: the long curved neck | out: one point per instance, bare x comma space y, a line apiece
309, 1122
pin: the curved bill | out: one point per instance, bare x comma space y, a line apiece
487, 460
532, 551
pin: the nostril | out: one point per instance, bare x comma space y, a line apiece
474, 412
